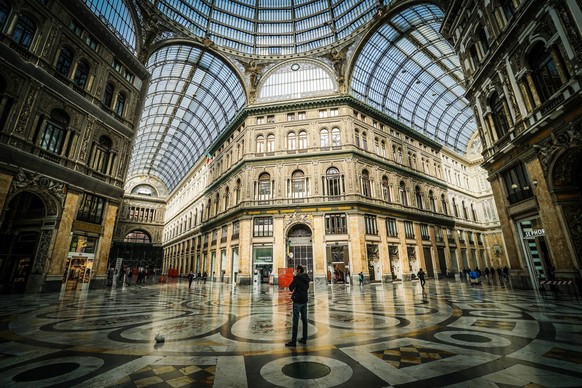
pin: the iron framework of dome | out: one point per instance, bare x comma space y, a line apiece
404, 68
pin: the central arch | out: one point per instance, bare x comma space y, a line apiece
300, 248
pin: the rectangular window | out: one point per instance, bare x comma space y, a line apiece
301, 116
461, 237
334, 112
408, 229
270, 119
371, 224
263, 227
91, 209
235, 230
223, 233
424, 232
438, 232
117, 65
214, 237
517, 184
290, 116
261, 120
336, 223
391, 227
322, 113
91, 42
75, 28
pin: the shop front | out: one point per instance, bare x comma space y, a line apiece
79, 264
535, 250
262, 262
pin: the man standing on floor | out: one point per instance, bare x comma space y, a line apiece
299, 287
422, 276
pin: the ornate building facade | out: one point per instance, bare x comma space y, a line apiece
522, 63
70, 96
348, 137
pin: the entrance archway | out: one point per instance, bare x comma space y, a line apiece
19, 238
300, 248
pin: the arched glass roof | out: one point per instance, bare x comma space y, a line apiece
271, 27
410, 72
115, 14
192, 97
296, 80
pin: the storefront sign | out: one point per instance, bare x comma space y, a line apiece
534, 233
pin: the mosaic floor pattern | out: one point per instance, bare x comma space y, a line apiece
216, 335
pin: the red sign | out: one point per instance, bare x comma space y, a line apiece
285, 277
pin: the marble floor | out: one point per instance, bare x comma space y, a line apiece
449, 334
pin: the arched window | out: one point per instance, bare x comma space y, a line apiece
303, 140
81, 74
264, 187
108, 95
403, 194
432, 202
24, 31
507, 8
364, 141
336, 139
137, 237
226, 199
418, 196
333, 178
54, 132
64, 61
100, 157
455, 208
120, 104
298, 185
484, 39
383, 148
5, 103
4, 12
291, 141
473, 213
237, 192
366, 185
260, 143
270, 143
324, 138
465, 214
474, 56
386, 195
499, 117
544, 72
444, 204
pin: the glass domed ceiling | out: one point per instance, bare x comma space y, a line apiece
271, 27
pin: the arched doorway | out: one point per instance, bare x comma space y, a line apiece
19, 238
300, 248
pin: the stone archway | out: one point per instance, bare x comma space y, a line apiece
566, 188
300, 247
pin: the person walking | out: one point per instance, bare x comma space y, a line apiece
190, 279
361, 278
299, 287
421, 276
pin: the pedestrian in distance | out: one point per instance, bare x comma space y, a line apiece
204, 276
299, 296
422, 277
190, 279
361, 278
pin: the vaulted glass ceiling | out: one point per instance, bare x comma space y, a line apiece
405, 69
410, 72
192, 97
271, 27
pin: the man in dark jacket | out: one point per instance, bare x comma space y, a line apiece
299, 287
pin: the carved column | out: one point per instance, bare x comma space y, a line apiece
554, 51
523, 87
533, 90
102, 256
5, 183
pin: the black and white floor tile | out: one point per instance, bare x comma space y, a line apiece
449, 334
